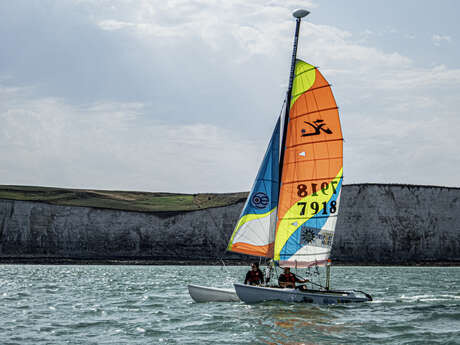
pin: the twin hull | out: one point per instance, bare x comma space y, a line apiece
255, 294
209, 294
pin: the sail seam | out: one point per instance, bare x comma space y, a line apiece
313, 112
312, 254
313, 179
315, 142
310, 90
314, 160
305, 71
318, 87
316, 216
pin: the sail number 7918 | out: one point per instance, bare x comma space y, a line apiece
315, 207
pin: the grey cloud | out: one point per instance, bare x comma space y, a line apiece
109, 83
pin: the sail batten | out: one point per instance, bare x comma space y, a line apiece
314, 112
318, 142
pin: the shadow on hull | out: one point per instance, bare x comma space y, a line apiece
256, 294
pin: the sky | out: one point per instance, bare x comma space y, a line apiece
182, 96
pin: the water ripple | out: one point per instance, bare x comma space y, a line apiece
150, 304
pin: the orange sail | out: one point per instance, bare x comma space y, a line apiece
312, 171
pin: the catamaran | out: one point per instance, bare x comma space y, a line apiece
291, 212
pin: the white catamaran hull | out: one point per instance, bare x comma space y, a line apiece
211, 294
255, 294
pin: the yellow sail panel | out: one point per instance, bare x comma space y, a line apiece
304, 79
311, 173
305, 233
252, 235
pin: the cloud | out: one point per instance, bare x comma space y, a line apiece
438, 39
111, 25
49, 142
183, 95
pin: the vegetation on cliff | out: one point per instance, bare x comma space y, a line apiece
120, 200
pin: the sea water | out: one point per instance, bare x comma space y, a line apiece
45, 304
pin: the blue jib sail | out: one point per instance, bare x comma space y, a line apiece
254, 233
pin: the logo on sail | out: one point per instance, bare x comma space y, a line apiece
317, 126
307, 235
260, 200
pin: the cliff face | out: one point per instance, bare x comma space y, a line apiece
377, 224
397, 223
38, 229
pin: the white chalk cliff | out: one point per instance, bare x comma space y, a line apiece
377, 224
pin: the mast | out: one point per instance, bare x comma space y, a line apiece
298, 14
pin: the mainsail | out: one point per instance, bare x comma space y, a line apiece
254, 233
312, 171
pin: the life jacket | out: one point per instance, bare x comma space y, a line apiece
255, 276
289, 278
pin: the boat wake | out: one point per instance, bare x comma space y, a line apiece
429, 298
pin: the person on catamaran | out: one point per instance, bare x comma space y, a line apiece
254, 276
288, 279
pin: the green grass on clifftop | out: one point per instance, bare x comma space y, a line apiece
118, 200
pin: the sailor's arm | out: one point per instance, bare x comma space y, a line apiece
248, 276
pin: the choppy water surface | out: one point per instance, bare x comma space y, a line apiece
151, 304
